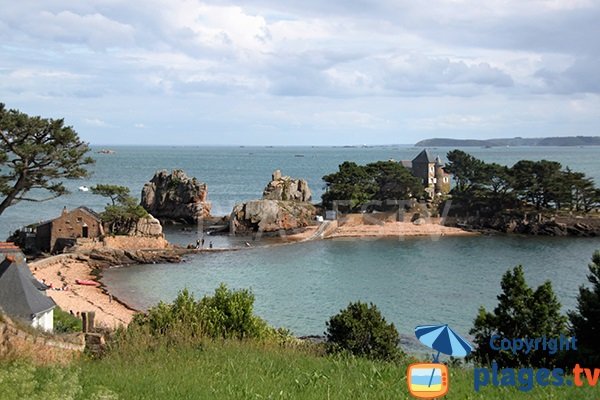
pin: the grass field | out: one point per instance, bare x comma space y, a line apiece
238, 370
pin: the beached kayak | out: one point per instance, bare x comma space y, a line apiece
86, 282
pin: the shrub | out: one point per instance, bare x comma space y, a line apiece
228, 314
65, 322
361, 330
521, 313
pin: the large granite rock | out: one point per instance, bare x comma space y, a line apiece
286, 189
176, 197
270, 216
147, 227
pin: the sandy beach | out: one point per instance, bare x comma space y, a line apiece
58, 270
397, 229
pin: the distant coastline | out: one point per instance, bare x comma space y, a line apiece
517, 141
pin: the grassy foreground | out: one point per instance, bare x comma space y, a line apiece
237, 370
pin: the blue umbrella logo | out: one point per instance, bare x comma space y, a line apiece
443, 339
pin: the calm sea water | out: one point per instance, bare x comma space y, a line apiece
414, 281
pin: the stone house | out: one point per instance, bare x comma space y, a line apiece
22, 296
431, 170
54, 235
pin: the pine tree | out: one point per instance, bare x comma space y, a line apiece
585, 322
35, 155
521, 313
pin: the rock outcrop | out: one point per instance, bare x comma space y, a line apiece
108, 257
270, 216
147, 227
286, 189
176, 197
537, 224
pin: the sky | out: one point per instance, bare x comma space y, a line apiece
276, 72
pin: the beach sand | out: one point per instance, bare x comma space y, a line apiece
397, 229
79, 298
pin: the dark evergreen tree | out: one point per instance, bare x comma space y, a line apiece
521, 313
394, 182
355, 186
351, 184
124, 211
585, 321
36, 153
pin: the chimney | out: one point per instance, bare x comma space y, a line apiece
64, 211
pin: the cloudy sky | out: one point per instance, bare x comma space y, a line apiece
304, 72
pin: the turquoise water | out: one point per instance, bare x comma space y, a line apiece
413, 281
416, 281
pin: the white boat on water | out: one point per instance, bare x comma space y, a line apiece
84, 189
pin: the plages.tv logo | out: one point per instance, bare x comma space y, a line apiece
431, 380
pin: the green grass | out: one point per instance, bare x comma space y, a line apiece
238, 370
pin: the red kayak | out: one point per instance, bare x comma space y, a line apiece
86, 282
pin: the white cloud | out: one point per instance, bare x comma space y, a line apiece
376, 65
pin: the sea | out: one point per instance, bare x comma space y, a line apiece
413, 281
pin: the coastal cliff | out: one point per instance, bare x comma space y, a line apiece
176, 197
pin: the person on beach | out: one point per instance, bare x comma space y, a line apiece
210, 245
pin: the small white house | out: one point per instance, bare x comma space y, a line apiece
21, 295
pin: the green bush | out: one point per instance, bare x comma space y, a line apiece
228, 314
65, 322
361, 330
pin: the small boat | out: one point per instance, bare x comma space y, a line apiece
86, 282
83, 189
298, 155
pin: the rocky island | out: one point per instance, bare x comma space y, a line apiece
175, 197
284, 206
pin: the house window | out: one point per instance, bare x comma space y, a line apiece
79, 219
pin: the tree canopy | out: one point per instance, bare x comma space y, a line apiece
355, 186
37, 153
544, 185
124, 212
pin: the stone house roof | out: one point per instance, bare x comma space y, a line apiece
87, 210
424, 157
